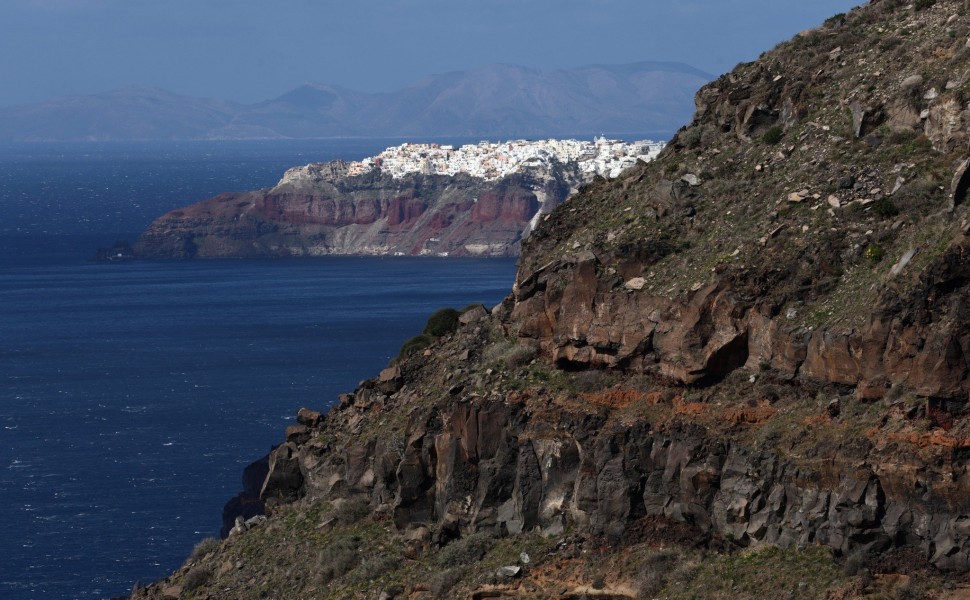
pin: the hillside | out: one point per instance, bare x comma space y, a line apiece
739, 370
497, 101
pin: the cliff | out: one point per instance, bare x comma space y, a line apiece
741, 369
413, 199
328, 211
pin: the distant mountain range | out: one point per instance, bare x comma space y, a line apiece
652, 98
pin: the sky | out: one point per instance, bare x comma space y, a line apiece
252, 50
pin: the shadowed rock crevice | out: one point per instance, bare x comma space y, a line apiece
724, 361
960, 184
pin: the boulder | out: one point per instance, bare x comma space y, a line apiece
310, 418
172, 592
298, 434
473, 315
509, 571
635, 284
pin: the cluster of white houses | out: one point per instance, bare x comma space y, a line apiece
490, 160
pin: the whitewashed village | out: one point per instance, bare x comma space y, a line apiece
491, 160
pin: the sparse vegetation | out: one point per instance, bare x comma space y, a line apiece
509, 355
196, 578
353, 510
885, 208
204, 547
773, 135
339, 558
442, 322
418, 342
465, 551
756, 573
692, 137
875, 252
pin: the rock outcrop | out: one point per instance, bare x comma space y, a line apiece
508, 468
917, 340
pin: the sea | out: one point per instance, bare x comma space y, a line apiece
132, 395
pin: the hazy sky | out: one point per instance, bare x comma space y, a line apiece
249, 50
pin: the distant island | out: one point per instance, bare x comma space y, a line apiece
494, 102
409, 200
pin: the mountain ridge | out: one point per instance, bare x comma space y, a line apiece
498, 100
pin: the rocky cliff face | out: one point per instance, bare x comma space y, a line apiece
329, 212
759, 340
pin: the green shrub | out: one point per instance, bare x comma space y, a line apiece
442, 322
773, 135
875, 252
509, 354
919, 143
352, 510
465, 551
923, 4
418, 342
206, 546
885, 208
443, 582
496, 353
835, 20
692, 137
374, 568
338, 559
196, 578
520, 355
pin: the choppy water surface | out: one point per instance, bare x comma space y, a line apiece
132, 395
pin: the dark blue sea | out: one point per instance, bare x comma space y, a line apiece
132, 395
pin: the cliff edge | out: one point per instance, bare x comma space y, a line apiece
740, 369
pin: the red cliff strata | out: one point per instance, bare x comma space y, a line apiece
365, 214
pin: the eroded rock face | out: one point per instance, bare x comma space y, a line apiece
284, 479
514, 206
366, 214
501, 468
583, 320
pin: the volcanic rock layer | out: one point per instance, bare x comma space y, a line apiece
369, 214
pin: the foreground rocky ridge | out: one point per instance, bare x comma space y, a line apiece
755, 347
